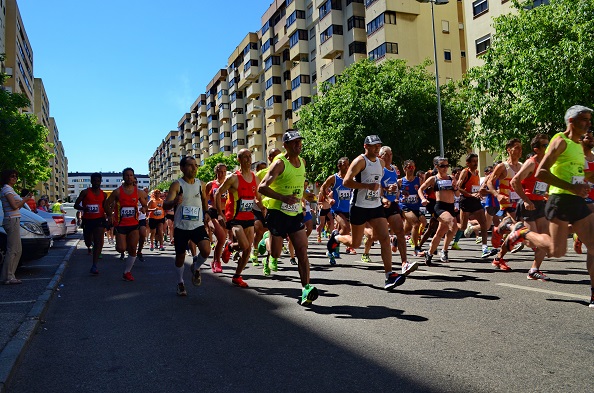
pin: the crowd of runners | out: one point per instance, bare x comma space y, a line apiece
250, 213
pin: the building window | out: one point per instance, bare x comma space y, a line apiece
249, 64
356, 22
463, 54
357, 47
329, 32
447, 55
482, 44
274, 100
480, 7
445, 26
297, 14
354, 1
295, 83
266, 45
380, 51
275, 80
269, 62
297, 36
388, 17
300, 102
329, 6
368, 3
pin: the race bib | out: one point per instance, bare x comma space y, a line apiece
246, 205
344, 195
540, 188
411, 199
294, 208
127, 212
92, 208
158, 212
475, 189
445, 184
392, 193
577, 180
372, 195
513, 196
190, 213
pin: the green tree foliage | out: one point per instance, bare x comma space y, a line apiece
206, 171
541, 62
164, 185
392, 100
24, 141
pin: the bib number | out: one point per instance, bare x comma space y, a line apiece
158, 212
540, 188
127, 212
92, 208
190, 213
577, 180
344, 195
294, 208
445, 184
246, 205
475, 189
513, 196
411, 199
372, 195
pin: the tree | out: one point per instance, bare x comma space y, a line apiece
164, 185
24, 142
206, 171
392, 100
540, 62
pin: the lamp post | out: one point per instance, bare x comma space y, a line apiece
264, 143
437, 2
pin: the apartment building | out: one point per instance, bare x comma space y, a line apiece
78, 181
164, 164
19, 55
2, 32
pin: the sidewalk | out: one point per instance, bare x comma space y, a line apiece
22, 306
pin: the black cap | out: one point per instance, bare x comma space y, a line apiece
372, 140
291, 136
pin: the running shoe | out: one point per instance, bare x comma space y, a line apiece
517, 248
365, 258
537, 275
285, 249
273, 263
408, 268
577, 244
428, 258
489, 252
236, 255
196, 277
216, 267
336, 254
94, 270
411, 242
122, 256
238, 281
181, 289
504, 225
351, 251
162, 248
128, 277
443, 256
496, 239
254, 260
293, 261
226, 255
332, 260
455, 246
332, 243
591, 302
266, 267
515, 237
319, 238
501, 263
152, 248
417, 251
308, 295
478, 240
394, 280
140, 257
468, 231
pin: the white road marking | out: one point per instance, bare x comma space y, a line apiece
544, 291
18, 302
38, 278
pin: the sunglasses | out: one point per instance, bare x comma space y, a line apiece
544, 145
444, 166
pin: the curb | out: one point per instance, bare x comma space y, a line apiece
15, 348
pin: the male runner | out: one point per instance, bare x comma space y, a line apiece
364, 177
283, 188
125, 219
219, 230
90, 201
187, 196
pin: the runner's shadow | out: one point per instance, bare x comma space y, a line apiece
449, 293
460, 278
365, 312
581, 302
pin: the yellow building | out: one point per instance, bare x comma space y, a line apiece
164, 164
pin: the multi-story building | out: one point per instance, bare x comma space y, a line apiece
78, 181
164, 164
2, 32
19, 55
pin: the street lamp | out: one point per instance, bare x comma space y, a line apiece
437, 2
264, 143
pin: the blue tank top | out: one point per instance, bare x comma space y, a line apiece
410, 188
341, 196
390, 177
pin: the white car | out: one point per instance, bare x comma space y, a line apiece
35, 238
55, 221
71, 227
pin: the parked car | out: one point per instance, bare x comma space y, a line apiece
55, 222
72, 212
71, 226
35, 236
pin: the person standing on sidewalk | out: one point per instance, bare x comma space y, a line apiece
11, 203
90, 201
187, 196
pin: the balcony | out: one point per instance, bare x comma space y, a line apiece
299, 49
252, 107
193, 118
202, 122
254, 124
253, 90
187, 126
332, 47
274, 112
224, 114
237, 104
250, 73
334, 67
238, 118
274, 129
253, 54
187, 136
254, 141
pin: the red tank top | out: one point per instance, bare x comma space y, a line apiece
127, 212
240, 203
534, 189
214, 186
472, 181
589, 167
93, 205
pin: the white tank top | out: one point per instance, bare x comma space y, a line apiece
372, 173
141, 215
188, 214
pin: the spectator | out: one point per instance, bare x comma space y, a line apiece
57, 207
42, 205
30, 202
11, 203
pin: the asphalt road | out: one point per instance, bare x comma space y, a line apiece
461, 327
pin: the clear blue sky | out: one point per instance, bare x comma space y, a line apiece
120, 74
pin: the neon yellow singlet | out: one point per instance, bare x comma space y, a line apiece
290, 182
569, 165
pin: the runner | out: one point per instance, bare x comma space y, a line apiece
187, 197
238, 216
125, 218
411, 205
218, 227
445, 190
156, 221
587, 144
325, 216
283, 189
90, 202
503, 173
364, 177
142, 226
531, 208
470, 203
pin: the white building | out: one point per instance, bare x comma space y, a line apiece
78, 181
